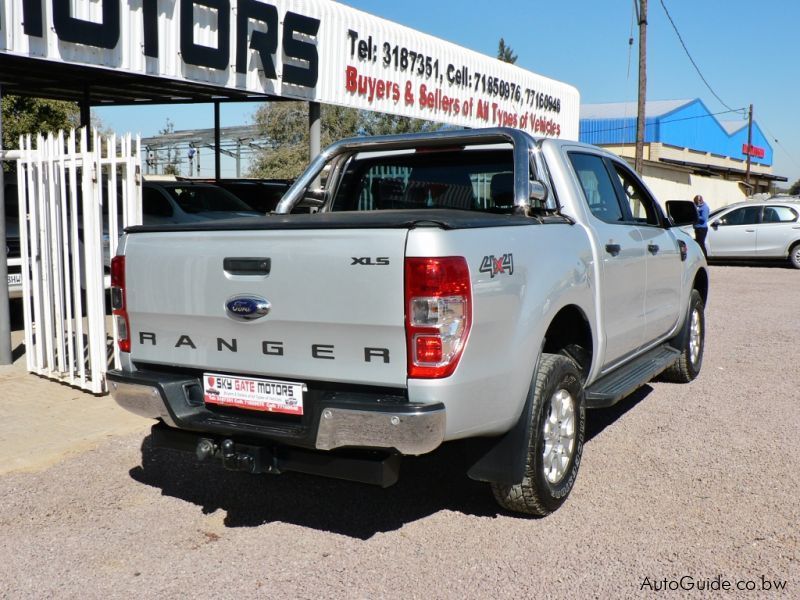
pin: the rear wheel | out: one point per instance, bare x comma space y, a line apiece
794, 256
687, 367
555, 447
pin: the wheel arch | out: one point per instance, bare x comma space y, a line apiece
700, 284
570, 334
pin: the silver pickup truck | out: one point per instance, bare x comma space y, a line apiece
452, 285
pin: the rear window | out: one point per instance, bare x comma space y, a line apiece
201, 198
479, 180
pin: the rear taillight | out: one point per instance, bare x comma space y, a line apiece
119, 306
438, 314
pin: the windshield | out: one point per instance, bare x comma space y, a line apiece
205, 198
479, 180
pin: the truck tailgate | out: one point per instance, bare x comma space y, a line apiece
336, 301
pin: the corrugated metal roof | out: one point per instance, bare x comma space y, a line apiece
732, 126
622, 110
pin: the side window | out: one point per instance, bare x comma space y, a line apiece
640, 204
747, 215
154, 204
598, 189
779, 214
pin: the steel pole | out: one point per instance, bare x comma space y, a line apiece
640, 121
749, 145
217, 168
5, 313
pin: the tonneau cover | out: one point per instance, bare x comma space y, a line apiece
377, 219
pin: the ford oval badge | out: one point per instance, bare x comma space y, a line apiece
247, 308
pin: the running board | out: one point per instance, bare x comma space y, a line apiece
612, 388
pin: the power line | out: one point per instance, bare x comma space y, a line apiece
694, 64
777, 141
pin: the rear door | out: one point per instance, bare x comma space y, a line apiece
733, 234
621, 251
779, 227
336, 302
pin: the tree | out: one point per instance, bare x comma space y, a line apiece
505, 53
285, 125
23, 115
795, 189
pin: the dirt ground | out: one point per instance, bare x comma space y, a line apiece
681, 486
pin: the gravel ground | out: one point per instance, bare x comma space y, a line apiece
697, 480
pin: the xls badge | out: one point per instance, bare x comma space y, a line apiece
497, 265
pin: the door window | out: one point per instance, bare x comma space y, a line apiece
598, 188
747, 215
641, 206
779, 214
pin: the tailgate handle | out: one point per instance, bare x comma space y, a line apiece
247, 265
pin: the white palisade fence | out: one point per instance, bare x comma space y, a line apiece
73, 204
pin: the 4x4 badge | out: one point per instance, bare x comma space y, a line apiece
496, 265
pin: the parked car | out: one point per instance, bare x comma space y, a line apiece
756, 230
165, 202
262, 195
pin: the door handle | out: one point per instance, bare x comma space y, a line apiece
652, 249
613, 249
750, 230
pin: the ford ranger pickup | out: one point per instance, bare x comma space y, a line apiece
443, 286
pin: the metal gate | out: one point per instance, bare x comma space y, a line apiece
73, 205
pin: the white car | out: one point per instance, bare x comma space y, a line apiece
755, 230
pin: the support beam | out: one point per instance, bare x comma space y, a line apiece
314, 130
5, 313
217, 151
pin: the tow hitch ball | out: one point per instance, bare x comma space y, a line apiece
242, 458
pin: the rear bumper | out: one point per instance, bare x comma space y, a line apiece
333, 418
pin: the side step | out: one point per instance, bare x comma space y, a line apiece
612, 388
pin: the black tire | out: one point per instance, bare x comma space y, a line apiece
538, 494
688, 365
794, 256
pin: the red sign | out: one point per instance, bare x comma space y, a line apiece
754, 151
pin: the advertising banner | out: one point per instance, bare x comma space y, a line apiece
313, 50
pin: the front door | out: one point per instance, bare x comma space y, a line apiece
733, 234
662, 306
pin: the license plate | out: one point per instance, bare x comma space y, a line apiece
266, 395
14, 278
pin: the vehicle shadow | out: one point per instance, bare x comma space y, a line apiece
598, 420
427, 485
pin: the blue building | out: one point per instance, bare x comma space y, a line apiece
684, 135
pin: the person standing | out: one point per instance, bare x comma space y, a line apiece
701, 226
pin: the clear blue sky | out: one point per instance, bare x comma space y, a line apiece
747, 51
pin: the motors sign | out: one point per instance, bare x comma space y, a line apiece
312, 50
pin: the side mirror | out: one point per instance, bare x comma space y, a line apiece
715, 225
681, 212
538, 192
314, 198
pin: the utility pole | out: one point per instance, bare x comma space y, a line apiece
642, 10
749, 144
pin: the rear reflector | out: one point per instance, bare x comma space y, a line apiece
438, 314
